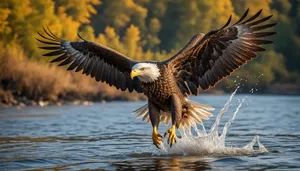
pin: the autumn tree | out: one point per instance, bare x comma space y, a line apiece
151, 29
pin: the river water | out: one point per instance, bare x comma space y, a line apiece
106, 136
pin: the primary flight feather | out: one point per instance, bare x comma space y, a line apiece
202, 63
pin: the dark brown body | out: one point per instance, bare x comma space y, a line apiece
160, 91
164, 95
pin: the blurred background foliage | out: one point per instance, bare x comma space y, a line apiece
143, 30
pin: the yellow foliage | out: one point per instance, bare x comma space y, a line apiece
148, 55
130, 40
129, 45
138, 29
3, 21
154, 25
111, 39
219, 12
101, 39
79, 10
88, 33
124, 11
69, 25
256, 5
20, 10
253, 5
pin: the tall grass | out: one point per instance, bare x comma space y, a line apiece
24, 78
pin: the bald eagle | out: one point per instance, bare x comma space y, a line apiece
202, 63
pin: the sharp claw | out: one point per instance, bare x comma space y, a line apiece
172, 137
156, 137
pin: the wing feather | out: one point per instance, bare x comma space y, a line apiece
103, 63
219, 52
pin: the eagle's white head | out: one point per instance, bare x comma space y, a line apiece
146, 72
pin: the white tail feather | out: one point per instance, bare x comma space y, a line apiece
195, 116
145, 117
198, 105
201, 113
143, 113
140, 109
168, 119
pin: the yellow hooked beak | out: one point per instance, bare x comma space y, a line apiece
134, 73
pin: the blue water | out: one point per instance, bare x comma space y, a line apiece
106, 136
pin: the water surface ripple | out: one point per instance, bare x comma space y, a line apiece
108, 137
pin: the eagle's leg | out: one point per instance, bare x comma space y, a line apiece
176, 109
154, 118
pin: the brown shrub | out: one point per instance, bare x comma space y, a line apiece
35, 81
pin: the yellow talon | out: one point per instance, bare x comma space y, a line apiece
156, 137
172, 136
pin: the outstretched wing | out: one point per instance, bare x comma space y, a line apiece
103, 63
207, 61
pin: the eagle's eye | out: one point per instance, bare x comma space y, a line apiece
142, 69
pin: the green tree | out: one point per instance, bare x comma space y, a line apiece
288, 32
152, 39
183, 19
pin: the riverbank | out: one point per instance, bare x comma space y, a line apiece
29, 82
8, 98
25, 82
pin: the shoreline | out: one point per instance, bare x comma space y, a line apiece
7, 99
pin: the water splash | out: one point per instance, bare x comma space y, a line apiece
212, 143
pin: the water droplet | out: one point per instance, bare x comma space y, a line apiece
212, 143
